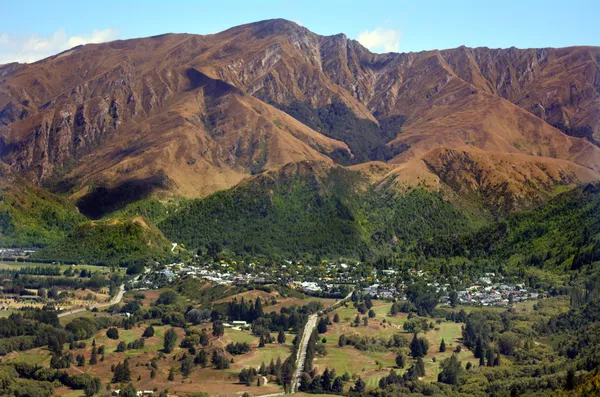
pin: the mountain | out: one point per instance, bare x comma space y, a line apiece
182, 115
558, 236
31, 216
312, 207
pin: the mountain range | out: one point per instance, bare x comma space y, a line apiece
181, 116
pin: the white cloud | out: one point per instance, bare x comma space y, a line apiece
33, 48
381, 40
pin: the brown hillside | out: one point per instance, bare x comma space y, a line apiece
191, 113
500, 181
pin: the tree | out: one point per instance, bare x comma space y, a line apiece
197, 316
201, 358
258, 308
219, 360
167, 297
451, 371
92, 387
122, 373
359, 386
94, 356
326, 380
170, 340
338, 385
204, 340
148, 332
187, 365
490, 357
128, 391
336, 318
424, 297
442, 346
112, 333
366, 321
218, 329
418, 346
372, 313
342, 340
80, 360
508, 342
322, 325
281, 337
171, 376
453, 298
121, 347
400, 360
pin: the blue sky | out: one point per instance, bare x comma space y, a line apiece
38, 29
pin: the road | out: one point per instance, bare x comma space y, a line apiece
117, 299
308, 330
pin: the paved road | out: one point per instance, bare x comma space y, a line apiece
308, 330
114, 301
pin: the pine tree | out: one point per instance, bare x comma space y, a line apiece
170, 339
490, 357
258, 308
281, 337
201, 359
338, 385
359, 386
187, 364
400, 360
326, 380
171, 376
442, 346
94, 356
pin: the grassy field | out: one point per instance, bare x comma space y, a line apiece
215, 382
372, 365
18, 265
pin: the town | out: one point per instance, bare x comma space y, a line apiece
336, 278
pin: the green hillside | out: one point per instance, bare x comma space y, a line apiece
30, 216
112, 242
307, 208
559, 236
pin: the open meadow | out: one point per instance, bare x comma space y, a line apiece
372, 365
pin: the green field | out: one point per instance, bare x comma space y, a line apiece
372, 365
18, 265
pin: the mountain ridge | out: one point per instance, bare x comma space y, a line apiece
197, 109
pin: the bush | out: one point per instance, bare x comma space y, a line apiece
112, 333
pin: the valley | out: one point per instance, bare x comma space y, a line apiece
265, 210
